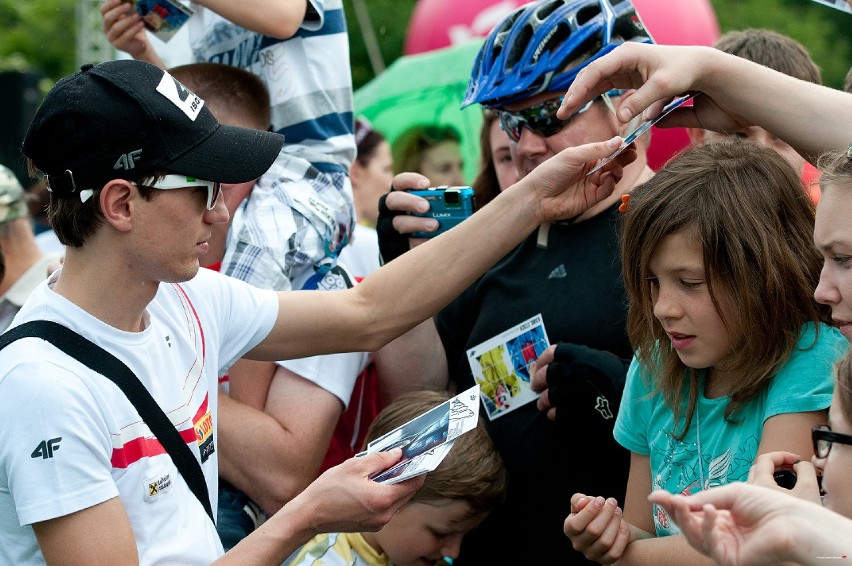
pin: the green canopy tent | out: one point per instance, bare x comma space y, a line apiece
426, 88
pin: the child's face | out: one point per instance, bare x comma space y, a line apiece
683, 305
836, 481
422, 533
833, 238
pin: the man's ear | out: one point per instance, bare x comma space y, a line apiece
115, 199
696, 135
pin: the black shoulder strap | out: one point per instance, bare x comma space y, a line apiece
90, 354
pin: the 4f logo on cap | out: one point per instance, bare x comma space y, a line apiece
127, 161
188, 102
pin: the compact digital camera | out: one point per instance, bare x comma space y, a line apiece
785, 478
448, 205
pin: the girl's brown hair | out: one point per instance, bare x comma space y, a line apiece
835, 168
745, 207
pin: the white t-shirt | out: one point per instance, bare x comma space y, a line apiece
361, 256
70, 439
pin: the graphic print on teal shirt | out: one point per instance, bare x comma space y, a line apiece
715, 452
681, 467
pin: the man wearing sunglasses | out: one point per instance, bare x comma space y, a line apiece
212, 189
568, 272
134, 160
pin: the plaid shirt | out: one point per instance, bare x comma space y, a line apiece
295, 222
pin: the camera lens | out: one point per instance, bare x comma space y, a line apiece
785, 478
452, 197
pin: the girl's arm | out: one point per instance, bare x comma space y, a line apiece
791, 432
638, 511
645, 547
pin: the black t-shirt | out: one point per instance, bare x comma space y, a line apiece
576, 285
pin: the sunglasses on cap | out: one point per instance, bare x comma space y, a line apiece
214, 188
541, 118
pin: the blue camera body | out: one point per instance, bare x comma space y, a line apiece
448, 205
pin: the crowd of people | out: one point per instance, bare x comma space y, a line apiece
654, 349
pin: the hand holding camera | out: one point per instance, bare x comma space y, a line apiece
448, 205
785, 471
412, 211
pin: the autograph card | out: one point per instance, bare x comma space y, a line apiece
162, 17
837, 4
425, 440
641, 129
501, 364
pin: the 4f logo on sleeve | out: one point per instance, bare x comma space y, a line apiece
46, 448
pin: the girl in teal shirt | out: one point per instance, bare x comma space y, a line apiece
733, 355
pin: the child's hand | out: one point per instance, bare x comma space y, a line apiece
596, 528
766, 465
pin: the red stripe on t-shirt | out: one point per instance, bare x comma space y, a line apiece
138, 448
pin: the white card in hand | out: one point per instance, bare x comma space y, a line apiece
641, 129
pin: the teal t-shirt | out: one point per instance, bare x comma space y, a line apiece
715, 452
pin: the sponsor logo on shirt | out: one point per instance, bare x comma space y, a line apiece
156, 485
204, 436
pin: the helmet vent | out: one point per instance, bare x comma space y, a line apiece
519, 46
548, 8
558, 35
587, 14
585, 51
629, 27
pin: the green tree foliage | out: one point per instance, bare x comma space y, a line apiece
38, 35
825, 32
389, 20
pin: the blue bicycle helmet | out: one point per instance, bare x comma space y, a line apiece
530, 51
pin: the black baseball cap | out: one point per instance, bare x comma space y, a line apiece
126, 118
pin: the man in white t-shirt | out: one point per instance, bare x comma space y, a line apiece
125, 148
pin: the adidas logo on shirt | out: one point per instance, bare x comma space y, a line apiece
558, 273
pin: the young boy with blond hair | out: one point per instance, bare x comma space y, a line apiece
456, 497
